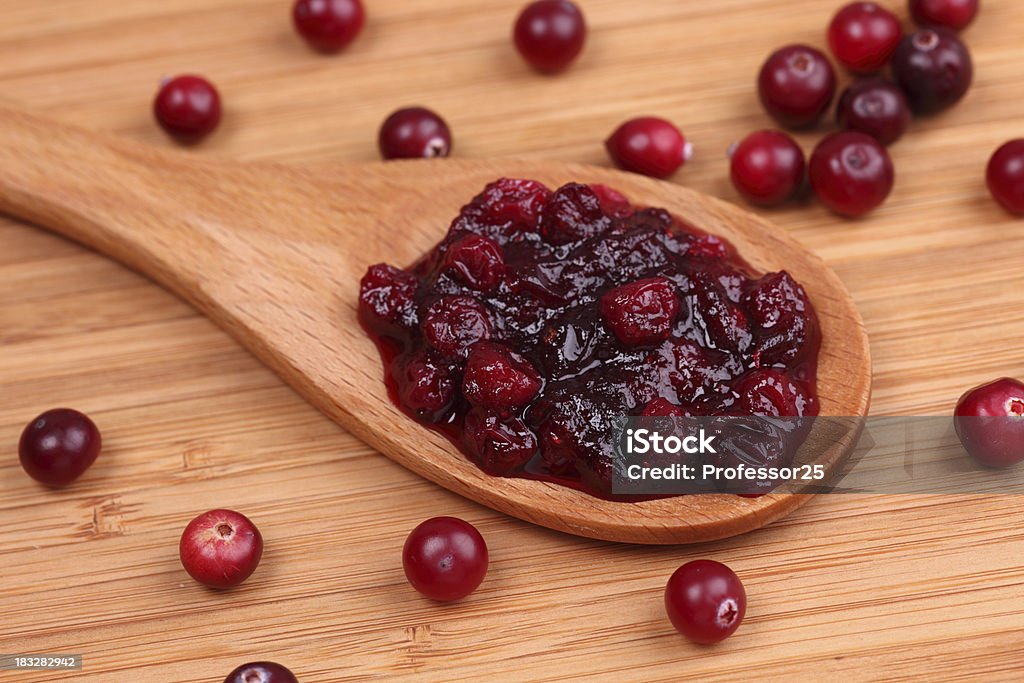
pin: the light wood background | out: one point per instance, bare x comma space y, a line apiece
900, 588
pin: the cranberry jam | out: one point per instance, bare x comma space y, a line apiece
542, 316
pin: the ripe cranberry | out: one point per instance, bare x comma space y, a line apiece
572, 213
414, 133
767, 168
650, 146
863, 36
641, 312
220, 548
498, 378
476, 261
387, 298
705, 601
425, 386
328, 25
954, 14
549, 34
851, 173
188, 108
261, 672
934, 69
990, 422
875, 107
1005, 176
445, 558
771, 393
498, 444
58, 446
796, 85
454, 323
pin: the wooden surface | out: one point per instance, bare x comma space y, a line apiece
905, 588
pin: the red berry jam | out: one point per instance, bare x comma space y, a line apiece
544, 315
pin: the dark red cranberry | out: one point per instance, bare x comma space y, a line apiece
990, 422
425, 385
796, 85
514, 201
767, 168
58, 446
705, 601
571, 214
875, 107
934, 69
549, 34
771, 393
414, 133
454, 323
641, 312
498, 378
613, 202
445, 558
476, 261
650, 146
1005, 176
387, 298
863, 36
328, 25
724, 322
780, 310
188, 108
851, 173
954, 14
499, 444
261, 672
220, 548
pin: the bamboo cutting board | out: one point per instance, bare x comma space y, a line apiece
902, 588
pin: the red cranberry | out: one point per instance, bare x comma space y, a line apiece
498, 444
454, 323
1005, 176
990, 422
613, 203
445, 558
705, 601
414, 133
771, 393
641, 312
767, 168
220, 548
387, 297
328, 25
796, 85
875, 107
58, 446
188, 108
261, 672
863, 36
498, 378
514, 201
851, 173
934, 69
425, 386
954, 14
571, 214
650, 146
549, 34
476, 261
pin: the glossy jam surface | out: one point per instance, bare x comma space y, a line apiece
543, 315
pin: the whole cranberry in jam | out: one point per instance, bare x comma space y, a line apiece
414, 133
454, 323
58, 446
476, 261
954, 14
796, 85
188, 108
499, 444
498, 378
1005, 176
863, 36
445, 558
771, 393
328, 25
261, 672
425, 385
934, 69
220, 548
767, 167
851, 173
990, 422
705, 601
875, 107
387, 298
649, 146
641, 312
573, 213
549, 34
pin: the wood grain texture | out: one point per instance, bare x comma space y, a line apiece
901, 588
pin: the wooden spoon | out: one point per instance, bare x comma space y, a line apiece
274, 253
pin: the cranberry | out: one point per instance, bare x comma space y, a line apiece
780, 310
498, 378
705, 601
58, 446
188, 108
1005, 176
875, 107
934, 69
954, 14
571, 214
513, 201
990, 422
549, 34
261, 672
771, 393
426, 386
445, 558
851, 173
328, 25
796, 85
767, 168
454, 323
499, 444
863, 36
641, 312
220, 548
414, 133
650, 146
387, 297
476, 261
